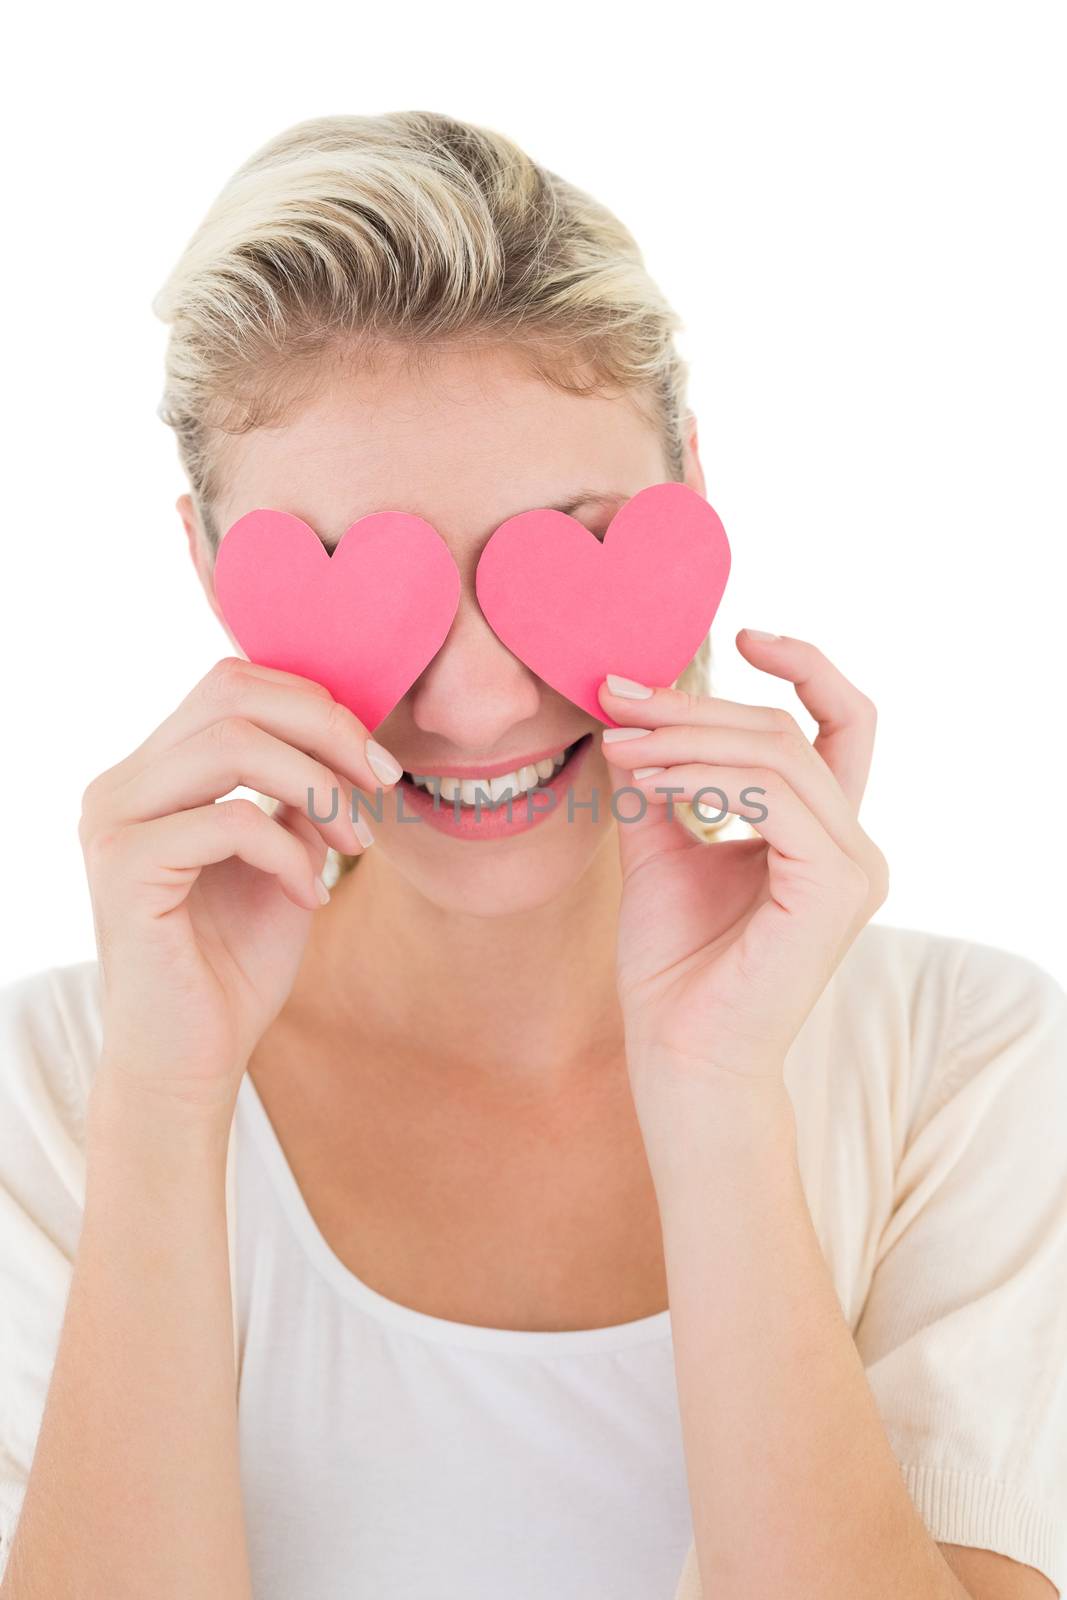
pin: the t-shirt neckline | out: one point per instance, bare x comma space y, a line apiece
437, 1330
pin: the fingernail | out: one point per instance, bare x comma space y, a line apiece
385, 766
362, 827
611, 734
646, 772
627, 687
321, 890
758, 633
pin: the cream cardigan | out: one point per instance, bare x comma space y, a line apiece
930, 1087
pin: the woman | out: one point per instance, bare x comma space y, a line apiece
511, 1091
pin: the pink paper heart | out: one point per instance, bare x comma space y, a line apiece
364, 621
638, 603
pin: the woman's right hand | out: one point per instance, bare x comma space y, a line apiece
202, 906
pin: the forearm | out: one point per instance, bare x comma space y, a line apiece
794, 1486
135, 1488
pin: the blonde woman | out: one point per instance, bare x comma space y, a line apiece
576, 1210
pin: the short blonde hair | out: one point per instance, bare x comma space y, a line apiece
412, 227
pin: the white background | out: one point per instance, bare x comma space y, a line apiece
855, 209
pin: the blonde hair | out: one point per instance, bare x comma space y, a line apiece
413, 228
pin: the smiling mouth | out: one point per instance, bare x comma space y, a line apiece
473, 791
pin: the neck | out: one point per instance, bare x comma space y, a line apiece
526, 998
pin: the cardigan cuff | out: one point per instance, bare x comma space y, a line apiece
986, 1514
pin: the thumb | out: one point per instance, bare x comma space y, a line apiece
648, 824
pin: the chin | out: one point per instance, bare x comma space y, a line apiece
496, 863
516, 887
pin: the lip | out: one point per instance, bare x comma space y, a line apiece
494, 769
486, 823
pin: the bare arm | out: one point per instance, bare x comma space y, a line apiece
202, 908
794, 1487
135, 1484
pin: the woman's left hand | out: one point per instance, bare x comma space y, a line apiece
724, 948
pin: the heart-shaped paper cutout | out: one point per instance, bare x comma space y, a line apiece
638, 603
364, 621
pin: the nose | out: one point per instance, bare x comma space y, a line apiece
474, 692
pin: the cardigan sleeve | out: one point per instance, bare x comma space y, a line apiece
42, 1186
963, 1332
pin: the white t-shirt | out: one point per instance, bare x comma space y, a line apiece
391, 1454
422, 1457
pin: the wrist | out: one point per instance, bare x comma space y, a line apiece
140, 1124
702, 1124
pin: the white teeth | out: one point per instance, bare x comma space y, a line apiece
493, 790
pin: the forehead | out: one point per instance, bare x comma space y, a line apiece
464, 439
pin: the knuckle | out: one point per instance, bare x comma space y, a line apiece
225, 683
854, 879
89, 793
791, 741
687, 701
89, 798
229, 733
238, 813
340, 722
322, 790
878, 875
98, 786
781, 720
101, 845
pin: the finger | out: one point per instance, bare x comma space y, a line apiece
296, 821
847, 718
768, 803
647, 705
159, 860
229, 753
787, 752
295, 709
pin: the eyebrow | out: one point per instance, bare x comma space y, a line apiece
590, 497
584, 497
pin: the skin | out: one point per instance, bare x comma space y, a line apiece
609, 1007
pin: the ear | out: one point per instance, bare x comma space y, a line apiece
694, 472
203, 559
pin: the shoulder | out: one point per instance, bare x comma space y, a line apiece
50, 1028
961, 1317
912, 966
49, 1037
50, 1033
926, 1052
939, 1010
